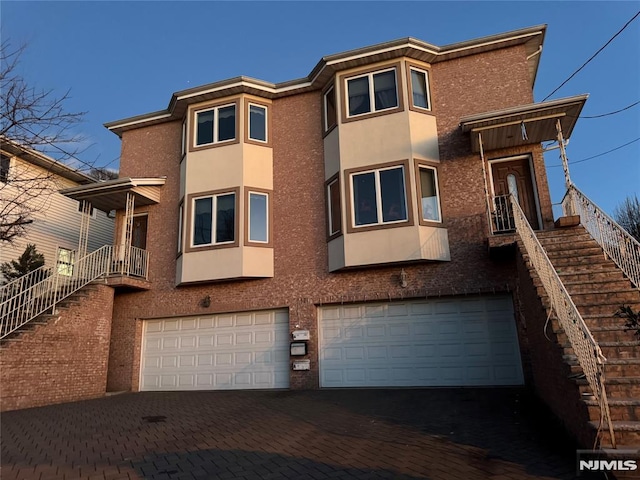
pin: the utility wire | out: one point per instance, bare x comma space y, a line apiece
611, 113
593, 56
600, 154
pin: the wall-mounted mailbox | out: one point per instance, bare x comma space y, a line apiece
302, 365
300, 334
298, 348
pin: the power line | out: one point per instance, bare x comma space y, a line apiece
612, 113
600, 154
593, 56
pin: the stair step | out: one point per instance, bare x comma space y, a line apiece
611, 273
626, 432
583, 241
573, 251
622, 409
627, 387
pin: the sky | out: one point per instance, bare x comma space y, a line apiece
126, 58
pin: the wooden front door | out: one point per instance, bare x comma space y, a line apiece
514, 177
139, 232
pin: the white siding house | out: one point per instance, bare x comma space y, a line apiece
35, 180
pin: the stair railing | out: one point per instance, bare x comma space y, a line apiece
585, 347
41, 290
616, 242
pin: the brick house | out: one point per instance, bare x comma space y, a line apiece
348, 229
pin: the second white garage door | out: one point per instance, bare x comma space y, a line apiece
232, 351
468, 341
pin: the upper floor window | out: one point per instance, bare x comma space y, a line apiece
420, 89
257, 122
258, 224
214, 219
333, 205
81, 208
330, 117
5, 162
372, 92
215, 125
429, 195
379, 196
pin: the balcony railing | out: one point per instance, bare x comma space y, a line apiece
41, 290
502, 220
616, 242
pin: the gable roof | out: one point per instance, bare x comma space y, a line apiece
325, 69
41, 160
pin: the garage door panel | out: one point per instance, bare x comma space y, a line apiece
448, 342
230, 351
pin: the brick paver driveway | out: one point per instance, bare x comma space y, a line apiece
439, 434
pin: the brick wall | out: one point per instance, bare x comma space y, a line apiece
64, 360
302, 281
545, 366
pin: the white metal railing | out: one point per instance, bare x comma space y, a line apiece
616, 242
502, 215
586, 348
41, 290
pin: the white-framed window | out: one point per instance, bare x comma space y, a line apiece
92, 211
258, 215
420, 88
330, 115
65, 261
379, 196
429, 195
372, 92
215, 125
258, 122
214, 219
333, 206
184, 138
5, 164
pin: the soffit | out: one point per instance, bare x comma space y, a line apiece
112, 194
524, 125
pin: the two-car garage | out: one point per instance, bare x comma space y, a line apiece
453, 341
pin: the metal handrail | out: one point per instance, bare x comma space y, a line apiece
616, 242
39, 291
587, 350
502, 215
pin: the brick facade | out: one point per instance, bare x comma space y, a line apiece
301, 281
62, 360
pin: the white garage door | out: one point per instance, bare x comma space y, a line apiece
444, 342
218, 352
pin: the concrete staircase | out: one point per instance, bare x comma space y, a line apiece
598, 288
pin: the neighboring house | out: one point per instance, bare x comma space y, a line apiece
33, 180
348, 229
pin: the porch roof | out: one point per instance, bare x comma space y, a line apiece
112, 194
523, 125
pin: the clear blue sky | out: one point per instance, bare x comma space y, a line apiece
121, 59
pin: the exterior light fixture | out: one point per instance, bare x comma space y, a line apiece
403, 278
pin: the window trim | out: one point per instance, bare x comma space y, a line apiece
269, 195
193, 127
80, 209
247, 139
370, 71
427, 72
418, 164
180, 228
334, 179
351, 227
326, 128
191, 198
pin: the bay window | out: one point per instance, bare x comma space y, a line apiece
215, 125
257, 130
258, 216
372, 92
214, 219
420, 89
429, 195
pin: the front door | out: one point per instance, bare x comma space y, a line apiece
514, 176
139, 232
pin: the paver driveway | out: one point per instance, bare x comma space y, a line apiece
438, 434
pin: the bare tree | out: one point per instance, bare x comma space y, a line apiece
627, 214
33, 125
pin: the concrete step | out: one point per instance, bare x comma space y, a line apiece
612, 274
622, 409
576, 243
562, 233
617, 387
592, 259
573, 251
597, 308
611, 350
626, 432
602, 335
615, 367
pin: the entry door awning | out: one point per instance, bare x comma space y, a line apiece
523, 125
112, 194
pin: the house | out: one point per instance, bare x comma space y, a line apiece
29, 184
355, 228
